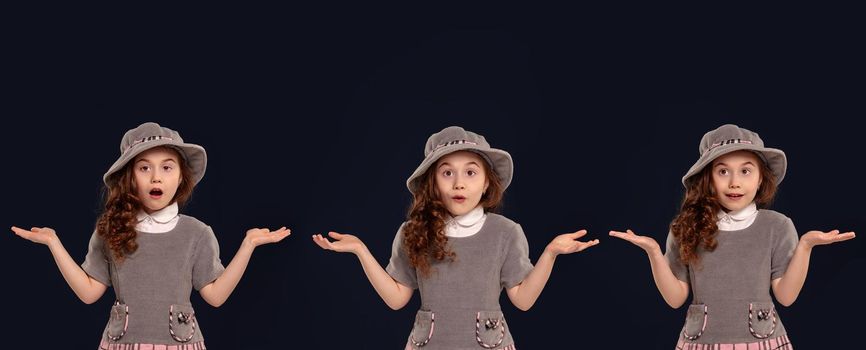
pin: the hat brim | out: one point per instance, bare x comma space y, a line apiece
500, 161
775, 158
194, 155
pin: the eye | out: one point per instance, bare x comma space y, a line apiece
747, 171
144, 168
167, 168
447, 173
723, 172
471, 173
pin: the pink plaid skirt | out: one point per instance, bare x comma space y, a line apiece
780, 343
104, 345
410, 347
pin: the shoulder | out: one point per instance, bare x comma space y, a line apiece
507, 227
195, 227
773, 218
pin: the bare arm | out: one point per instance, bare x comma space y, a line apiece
524, 295
787, 288
674, 291
86, 288
395, 294
218, 291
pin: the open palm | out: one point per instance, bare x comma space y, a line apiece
567, 243
813, 238
259, 236
342, 242
42, 235
648, 244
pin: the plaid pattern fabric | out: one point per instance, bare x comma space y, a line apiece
104, 345
780, 343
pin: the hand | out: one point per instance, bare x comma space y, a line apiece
813, 238
568, 243
43, 235
648, 244
258, 236
342, 243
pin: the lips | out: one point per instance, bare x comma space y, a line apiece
458, 199
155, 193
734, 196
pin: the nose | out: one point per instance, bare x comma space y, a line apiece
458, 183
155, 178
734, 182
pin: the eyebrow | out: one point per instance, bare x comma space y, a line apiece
745, 163
469, 163
163, 161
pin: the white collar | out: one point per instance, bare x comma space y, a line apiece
467, 224
160, 221
737, 220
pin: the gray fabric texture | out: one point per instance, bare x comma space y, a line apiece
159, 275
738, 272
496, 257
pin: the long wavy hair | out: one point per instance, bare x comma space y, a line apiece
424, 235
116, 224
695, 226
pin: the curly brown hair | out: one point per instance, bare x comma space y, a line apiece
695, 226
116, 224
424, 235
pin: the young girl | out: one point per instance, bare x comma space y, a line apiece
149, 253
456, 251
730, 252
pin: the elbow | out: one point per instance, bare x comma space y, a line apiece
524, 307
675, 303
397, 305
786, 301
215, 303
88, 300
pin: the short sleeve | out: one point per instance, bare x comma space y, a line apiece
516, 265
784, 243
672, 253
207, 265
398, 266
96, 264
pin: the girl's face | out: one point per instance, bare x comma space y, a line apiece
736, 179
157, 176
460, 181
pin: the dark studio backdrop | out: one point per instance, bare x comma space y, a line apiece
315, 124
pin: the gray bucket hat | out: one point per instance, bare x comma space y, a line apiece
729, 138
150, 135
455, 138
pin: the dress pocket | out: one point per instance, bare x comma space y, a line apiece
696, 321
181, 323
422, 330
762, 319
490, 329
118, 321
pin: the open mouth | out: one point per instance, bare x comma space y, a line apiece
155, 193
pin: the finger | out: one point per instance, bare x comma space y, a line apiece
844, 237
629, 231
320, 241
336, 235
617, 234
577, 234
584, 245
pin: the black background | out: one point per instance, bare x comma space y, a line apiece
313, 118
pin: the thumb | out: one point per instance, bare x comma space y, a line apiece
336, 235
